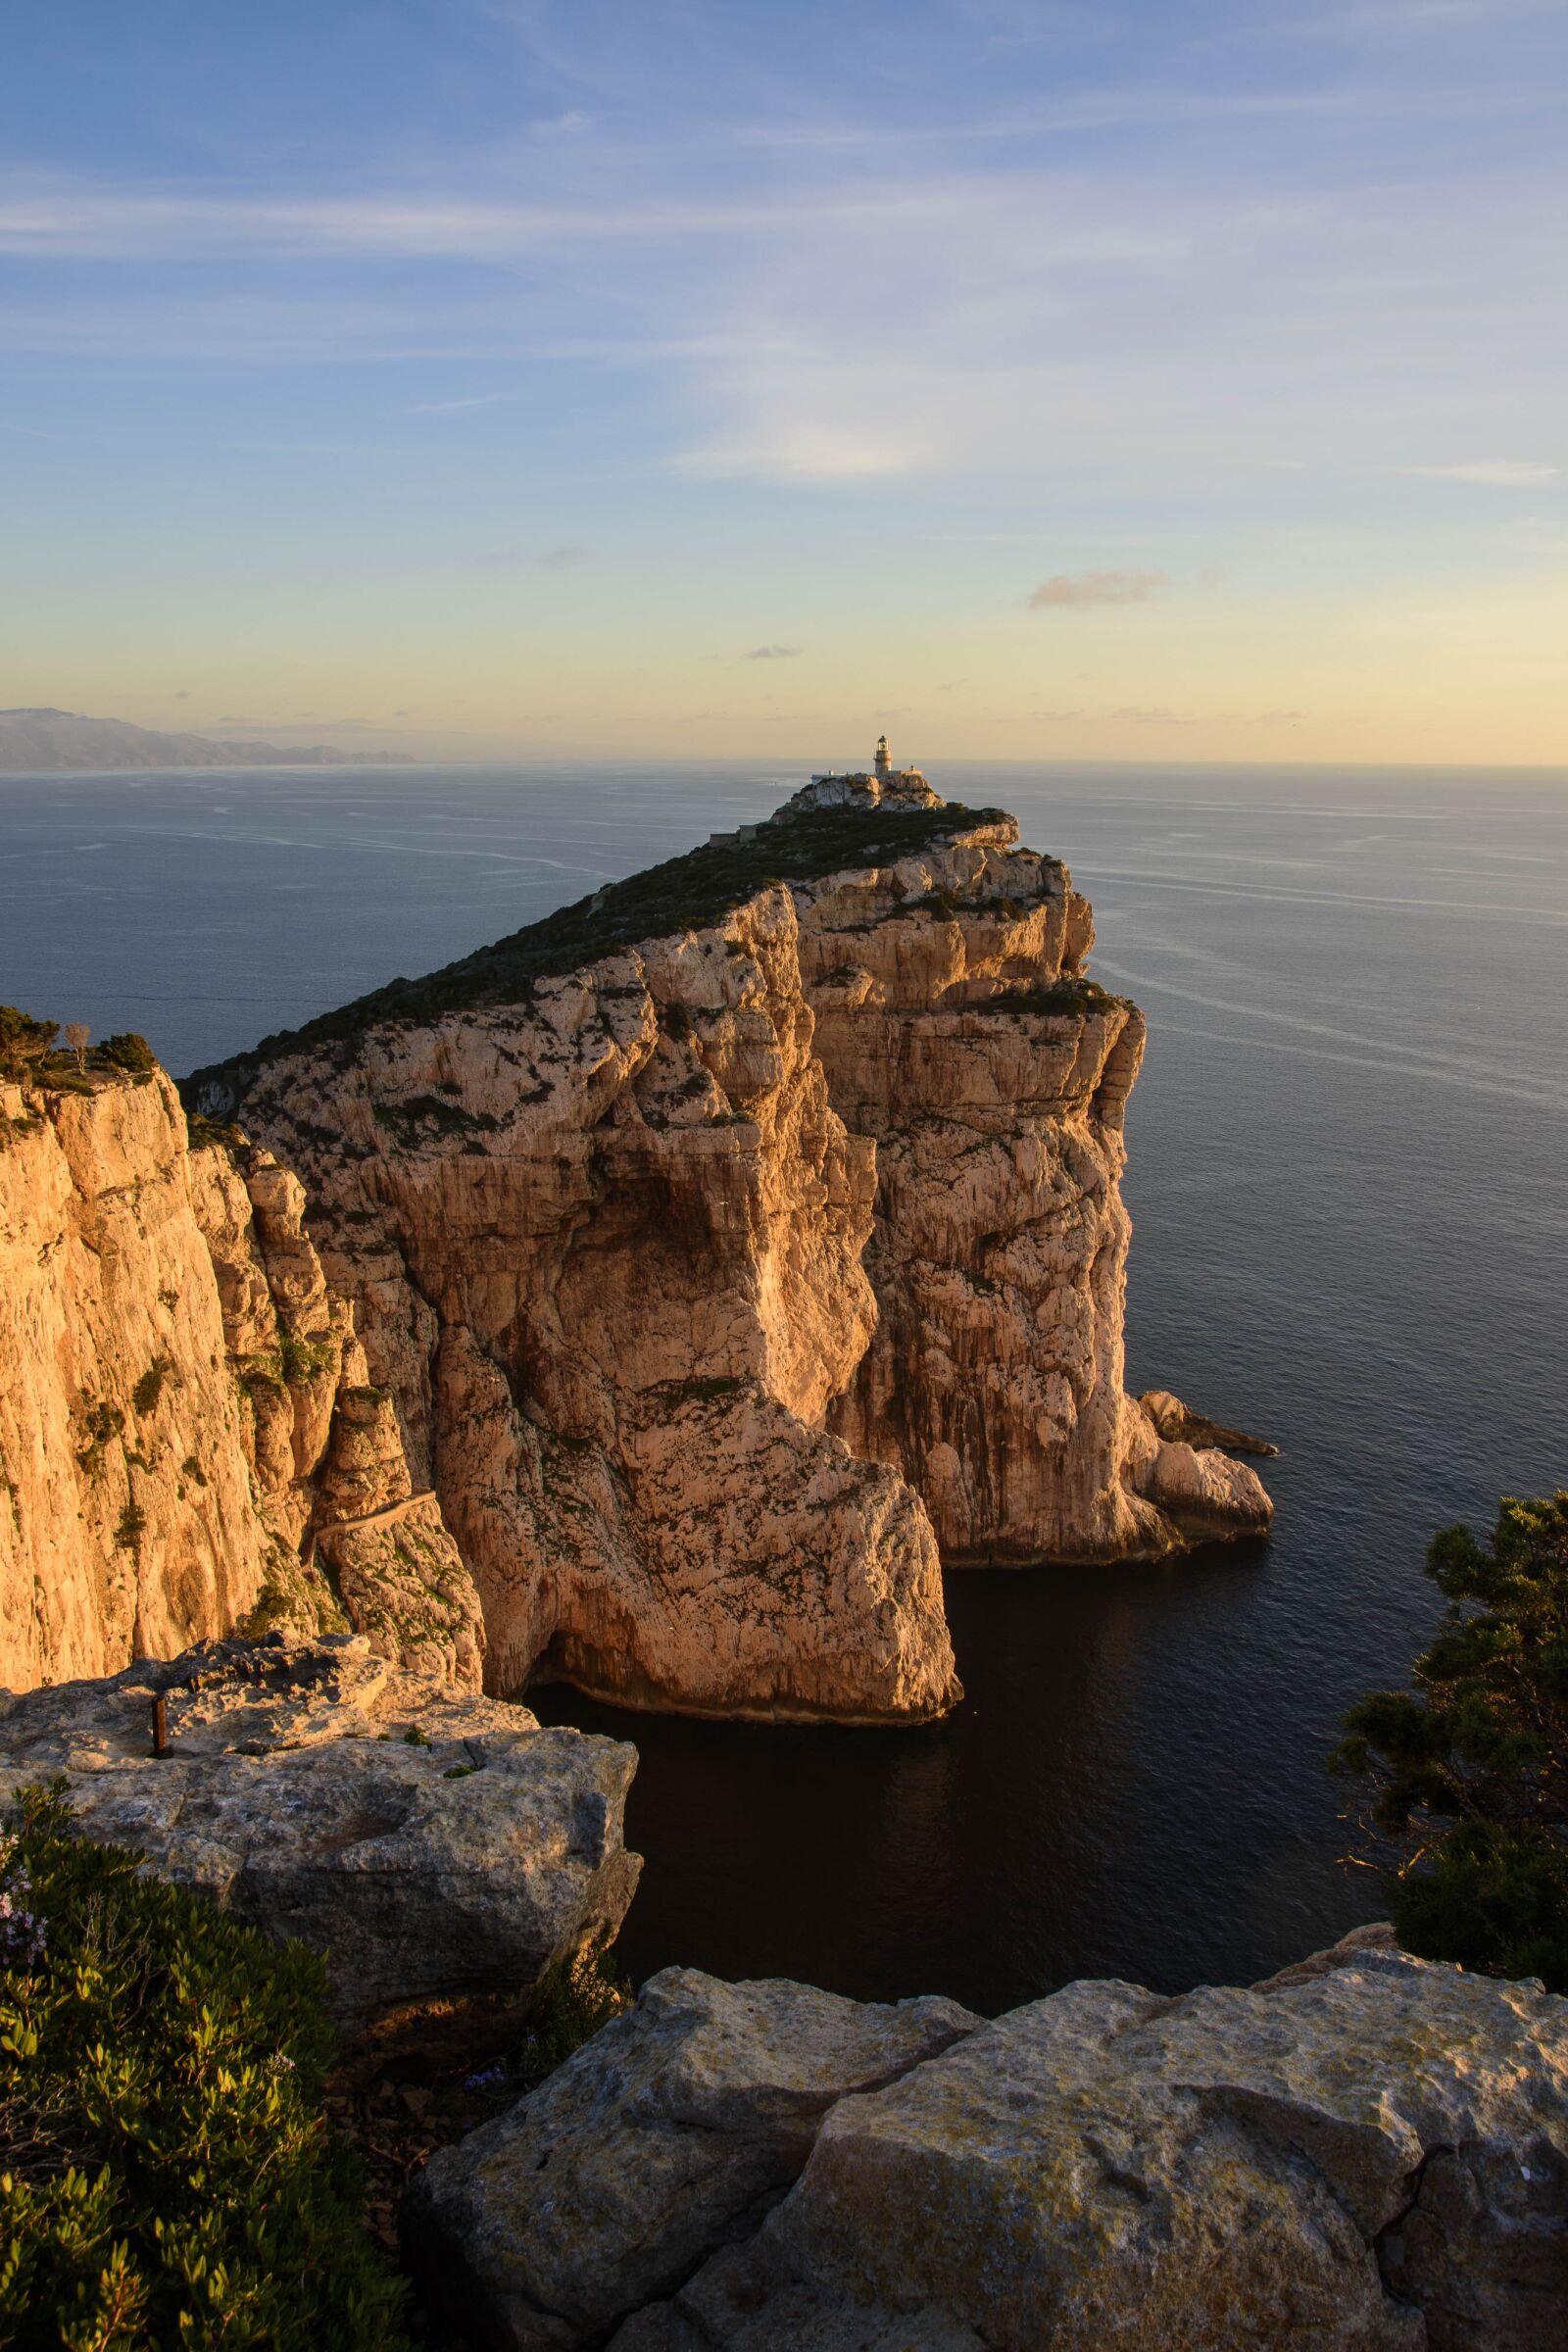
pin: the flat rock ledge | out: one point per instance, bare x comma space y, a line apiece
434, 1845
1370, 2152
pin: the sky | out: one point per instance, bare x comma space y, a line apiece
617, 377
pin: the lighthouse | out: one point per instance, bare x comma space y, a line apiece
883, 759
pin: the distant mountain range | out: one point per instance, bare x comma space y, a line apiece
49, 741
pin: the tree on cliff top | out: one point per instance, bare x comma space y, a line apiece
1469, 1770
24, 1042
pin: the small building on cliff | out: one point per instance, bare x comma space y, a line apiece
881, 786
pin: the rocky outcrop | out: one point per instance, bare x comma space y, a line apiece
433, 1844
958, 1031
1369, 2157
728, 1241
691, 2114
177, 1391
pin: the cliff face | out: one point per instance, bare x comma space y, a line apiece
605, 1248
959, 1032
177, 1390
729, 1239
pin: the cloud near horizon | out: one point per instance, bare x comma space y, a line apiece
1077, 591
774, 652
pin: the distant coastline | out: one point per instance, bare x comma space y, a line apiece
48, 742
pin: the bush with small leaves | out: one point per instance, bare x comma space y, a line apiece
1469, 1770
165, 2175
23, 1043
129, 1050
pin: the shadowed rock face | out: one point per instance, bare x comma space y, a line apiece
463, 1862
1367, 2155
176, 1387
718, 1274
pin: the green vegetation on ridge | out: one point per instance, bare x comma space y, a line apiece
687, 893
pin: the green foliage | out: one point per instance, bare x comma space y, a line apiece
145, 1395
414, 1738
1469, 1772
689, 893
303, 1359
568, 2005
102, 1424
202, 1132
129, 1050
133, 1527
24, 1042
167, 2181
1075, 997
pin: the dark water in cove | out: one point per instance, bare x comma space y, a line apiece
1350, 1186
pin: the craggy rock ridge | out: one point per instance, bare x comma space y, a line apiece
435, 1845
730, 1238
187, 1432
1367, 2154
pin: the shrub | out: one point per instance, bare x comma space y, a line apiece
129, 1050
145, 1395
24, 1042
568, 2005
169, 2177
1469, 1772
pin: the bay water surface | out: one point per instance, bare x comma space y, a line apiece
1349, 1180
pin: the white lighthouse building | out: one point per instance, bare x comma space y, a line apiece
881, 786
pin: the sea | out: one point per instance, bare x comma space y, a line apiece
1348, 1183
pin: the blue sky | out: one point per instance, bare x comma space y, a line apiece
1054, 381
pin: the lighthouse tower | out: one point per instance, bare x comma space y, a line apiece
883, 759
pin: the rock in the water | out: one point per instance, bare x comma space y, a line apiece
1370, 2158
432, 1844
668, 2133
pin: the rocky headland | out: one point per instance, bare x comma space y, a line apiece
743, 1240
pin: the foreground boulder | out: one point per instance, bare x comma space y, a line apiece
669, 2133
1371, 2152
433, 1845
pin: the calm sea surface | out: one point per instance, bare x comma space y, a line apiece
1350, 1188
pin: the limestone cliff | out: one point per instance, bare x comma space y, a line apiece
182, 1403
719, 1235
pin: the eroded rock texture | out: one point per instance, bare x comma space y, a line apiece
1372, 2157
178, 1384
433, 1844
729, 1241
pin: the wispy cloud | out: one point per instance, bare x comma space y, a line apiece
774, 653
561, 559
1077, 591
474, 400
1496, 473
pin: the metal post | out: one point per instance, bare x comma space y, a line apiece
161, 1725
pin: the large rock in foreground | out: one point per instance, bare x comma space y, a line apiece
1370, 2153
669, 2134
433, 1845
